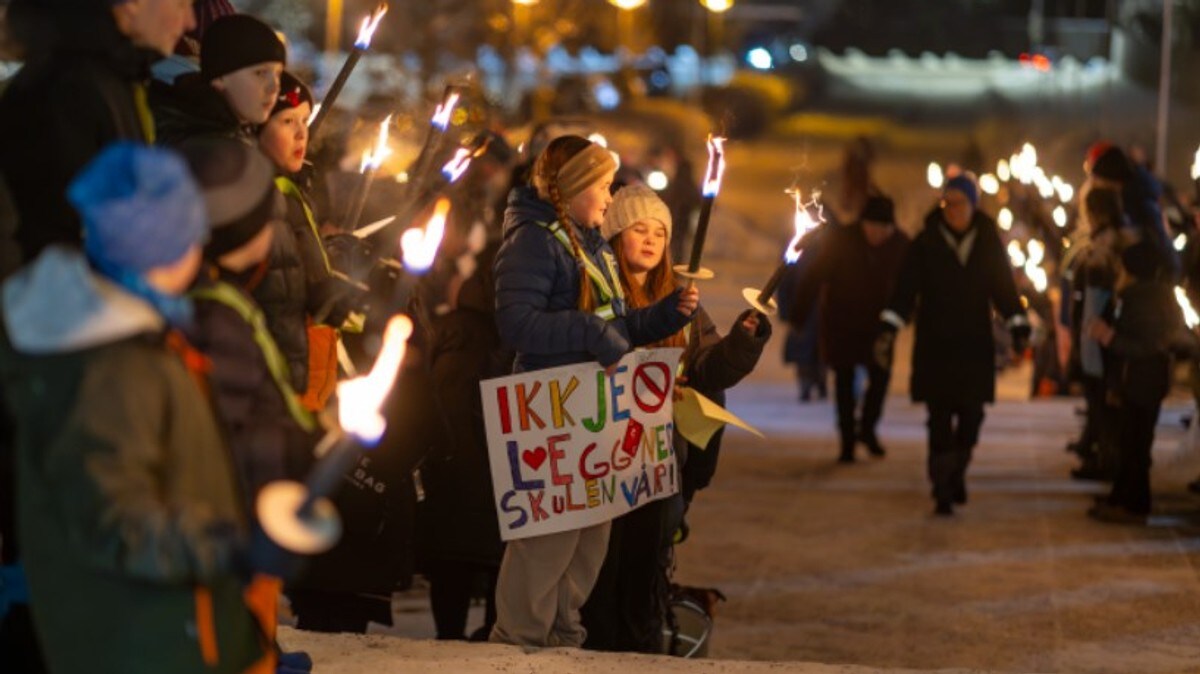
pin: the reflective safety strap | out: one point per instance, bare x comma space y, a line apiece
234, 299
611, 293
145, 116
291, 189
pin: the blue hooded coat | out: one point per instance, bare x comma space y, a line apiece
537, 292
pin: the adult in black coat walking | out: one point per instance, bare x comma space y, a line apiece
957, 269
852, 277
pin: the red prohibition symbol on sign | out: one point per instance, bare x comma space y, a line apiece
651, 386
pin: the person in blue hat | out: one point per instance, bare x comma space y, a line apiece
956, 271
131, 525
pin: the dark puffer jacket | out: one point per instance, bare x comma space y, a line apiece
191, 109
267, 438
77, 93
537, 292
296, 286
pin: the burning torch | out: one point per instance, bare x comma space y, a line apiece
372, 159
804, 223
300, 517
712, 186
361, 44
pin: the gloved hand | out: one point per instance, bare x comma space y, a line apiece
885, 345
265, 556
1020, 338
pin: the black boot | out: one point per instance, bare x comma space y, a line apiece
871, 442
847, 454
943, 509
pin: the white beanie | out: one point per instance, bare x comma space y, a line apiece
631, 205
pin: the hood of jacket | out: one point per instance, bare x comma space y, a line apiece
192, 108
525, 207
58, 304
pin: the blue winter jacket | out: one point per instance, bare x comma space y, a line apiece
537, 292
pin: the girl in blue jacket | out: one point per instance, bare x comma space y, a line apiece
558, 302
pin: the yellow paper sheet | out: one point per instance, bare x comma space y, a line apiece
698, 418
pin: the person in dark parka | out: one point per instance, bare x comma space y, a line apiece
302, 296
1143, 331
852, 277
81, 88
957, 269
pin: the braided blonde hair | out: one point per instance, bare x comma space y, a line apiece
545, 172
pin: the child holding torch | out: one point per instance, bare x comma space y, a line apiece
625, 610
307, 301
558, 302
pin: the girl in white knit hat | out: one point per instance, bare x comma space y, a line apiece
625, 609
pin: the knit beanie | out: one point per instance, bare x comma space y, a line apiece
140, 208
963, 183
1113, 164
238, 41
1093, 153
633, 204
292, 93
879, 209
239, 191
580, 172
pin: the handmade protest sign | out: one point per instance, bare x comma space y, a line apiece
573, 446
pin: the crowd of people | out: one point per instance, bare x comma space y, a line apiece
181, 306
180, 310
1116, 301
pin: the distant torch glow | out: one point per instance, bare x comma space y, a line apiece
420, 246
804, 223
374, 158
457, 165
1189, 314
716, 166
366, 31
441, 115
360, 399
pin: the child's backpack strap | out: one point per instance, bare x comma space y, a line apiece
609, 287
231, 297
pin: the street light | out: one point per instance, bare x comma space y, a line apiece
521, 10
625, 10
717, 6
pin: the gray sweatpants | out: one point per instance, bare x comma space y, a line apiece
543, 582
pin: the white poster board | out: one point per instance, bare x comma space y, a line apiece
572, 446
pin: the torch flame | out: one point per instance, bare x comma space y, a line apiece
458, 165
1190, 317
367, 31
441, 115
420, 246
359, 399
374, 158
716, 166
803, 222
